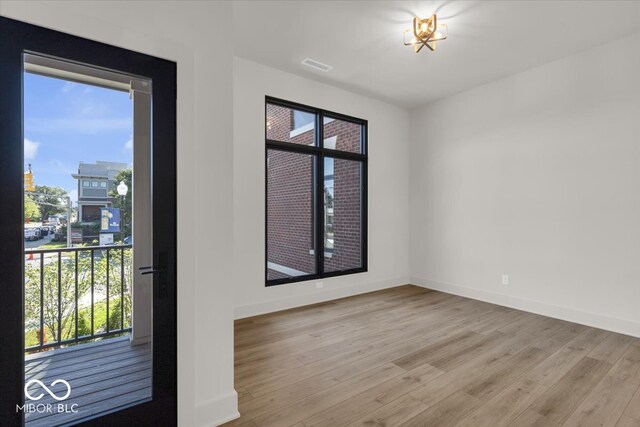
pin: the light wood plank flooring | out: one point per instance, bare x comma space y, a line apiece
412, 357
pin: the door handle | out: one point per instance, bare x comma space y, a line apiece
150, 270
163, 262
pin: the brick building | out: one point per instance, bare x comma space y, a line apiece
290, 202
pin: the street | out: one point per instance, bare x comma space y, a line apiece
35, 244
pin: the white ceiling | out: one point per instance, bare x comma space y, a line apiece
362, 40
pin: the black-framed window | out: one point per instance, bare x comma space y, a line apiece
316, 193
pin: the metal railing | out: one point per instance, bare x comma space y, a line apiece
76, 294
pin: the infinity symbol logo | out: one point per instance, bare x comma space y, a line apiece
52, 394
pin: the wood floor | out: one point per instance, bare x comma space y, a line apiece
412, 357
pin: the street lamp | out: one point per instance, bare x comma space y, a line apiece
122, 192
122, 189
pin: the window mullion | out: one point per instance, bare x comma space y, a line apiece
319, 220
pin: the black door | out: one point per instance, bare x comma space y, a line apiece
18, 39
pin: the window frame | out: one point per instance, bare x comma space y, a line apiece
320, 153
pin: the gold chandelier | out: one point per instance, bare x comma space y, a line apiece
425, 32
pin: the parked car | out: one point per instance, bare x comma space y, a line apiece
31, 234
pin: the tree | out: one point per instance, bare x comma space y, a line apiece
53, 202
124, 205
31, 209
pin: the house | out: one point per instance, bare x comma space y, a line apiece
95, 182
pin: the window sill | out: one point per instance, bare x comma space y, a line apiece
289, 280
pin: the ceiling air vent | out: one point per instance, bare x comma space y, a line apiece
317, 65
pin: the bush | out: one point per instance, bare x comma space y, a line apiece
68, 290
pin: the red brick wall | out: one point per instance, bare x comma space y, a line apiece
290, 210
348, 135
280, 124
290, 197
346, 220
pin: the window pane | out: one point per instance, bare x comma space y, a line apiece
85, 183
103, 184
343, 136
342, 214
290, 214
302, 118
288, 125
94, 184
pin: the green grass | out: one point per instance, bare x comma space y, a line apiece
54, 245
100, 321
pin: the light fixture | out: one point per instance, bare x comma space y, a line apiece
425, 32
122, 189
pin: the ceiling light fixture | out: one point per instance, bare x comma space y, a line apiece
425, 32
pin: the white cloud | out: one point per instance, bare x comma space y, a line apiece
30, 149
128, 146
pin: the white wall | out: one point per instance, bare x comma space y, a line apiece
536, 176
197, 36
388, 189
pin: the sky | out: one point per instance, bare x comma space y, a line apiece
66, 122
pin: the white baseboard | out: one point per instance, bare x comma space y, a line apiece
293, 301
622, 326
215, 412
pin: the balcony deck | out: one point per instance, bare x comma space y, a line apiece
103, 375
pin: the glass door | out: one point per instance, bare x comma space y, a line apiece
88, 222
93, 132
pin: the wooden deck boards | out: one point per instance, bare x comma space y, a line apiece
103, 376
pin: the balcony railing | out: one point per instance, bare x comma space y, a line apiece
76, 294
